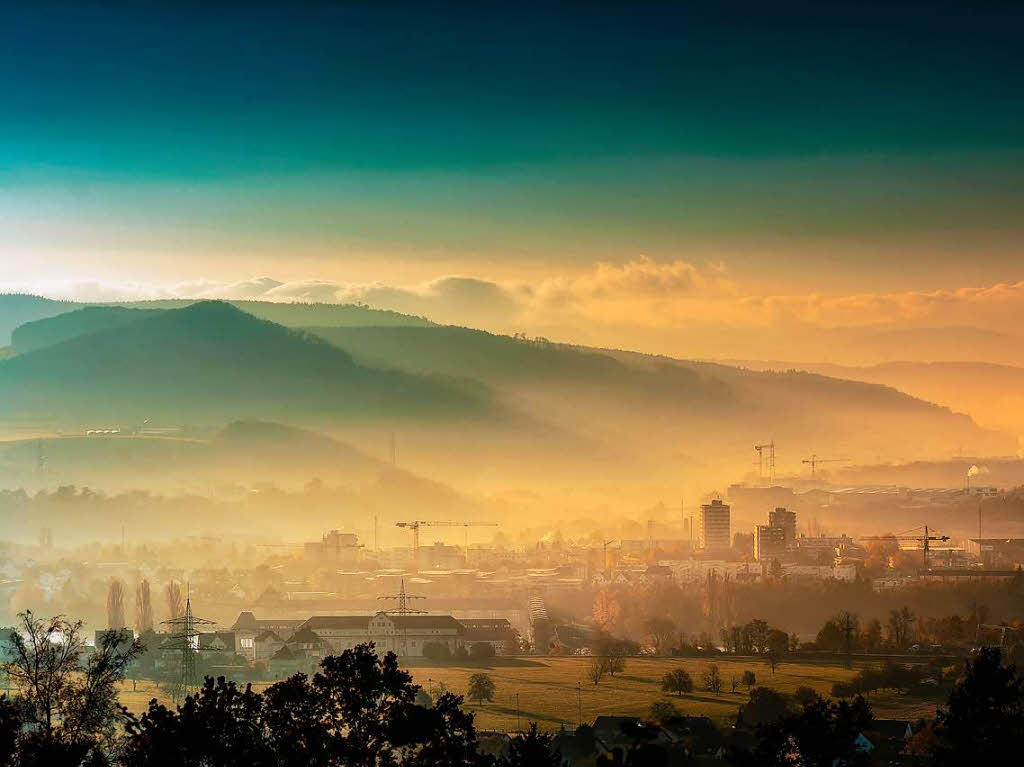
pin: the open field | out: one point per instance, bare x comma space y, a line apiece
547, 689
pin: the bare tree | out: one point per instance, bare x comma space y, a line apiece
143, 607
597, 669
713, 679
115, 605
68, 703
175, 601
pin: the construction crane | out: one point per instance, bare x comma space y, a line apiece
992, 627
417, 524
924, 540
768, 447
814, 460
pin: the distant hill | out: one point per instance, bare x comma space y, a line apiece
63, 327
212, 361
249, 464
992, 394
17, 309
674, 408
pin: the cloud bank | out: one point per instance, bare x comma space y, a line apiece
639, 303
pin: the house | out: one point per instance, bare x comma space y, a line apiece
306, 643
247, 627
885, 740
266, 644
286, 662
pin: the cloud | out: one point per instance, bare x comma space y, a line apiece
635, 295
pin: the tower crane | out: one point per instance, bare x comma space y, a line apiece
415, 526
924, 540
814, 460
768, 447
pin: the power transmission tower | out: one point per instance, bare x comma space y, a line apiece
185, 638
402, 611
848, 626
403, 600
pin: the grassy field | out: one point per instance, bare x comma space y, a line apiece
547, 689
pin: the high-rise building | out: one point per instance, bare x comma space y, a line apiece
769, 543
713, 531
780, 517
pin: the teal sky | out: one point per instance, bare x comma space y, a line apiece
841, 147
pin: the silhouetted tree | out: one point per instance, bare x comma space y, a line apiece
984, 719
749, 679
66, 700
531, 749
358, 711
822, 734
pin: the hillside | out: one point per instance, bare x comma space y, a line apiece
63, 327
673, 407
17, 310
991, 394
213, 362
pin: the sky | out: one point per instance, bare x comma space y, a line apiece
591, 171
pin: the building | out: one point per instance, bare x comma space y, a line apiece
247, 628
713, 528
403, 635
497, 632
786, 520
769, 543
336, 548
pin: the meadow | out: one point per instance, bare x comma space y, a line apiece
555, 691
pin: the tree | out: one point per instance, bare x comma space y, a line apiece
436, 651
901, 623
805, 695
830, 637
175, 600
531, 749
662, 711
984, 718
143, 607
822, 734
872, 635
481, 688
661, 632
765, 705
116, 619
606, 609
481, 651
677, 681
758, 632
66, 703
359, 710
749, 679
596, 669
713, 679
773, 660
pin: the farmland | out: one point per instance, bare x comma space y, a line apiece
554, 690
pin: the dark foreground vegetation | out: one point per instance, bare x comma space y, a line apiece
361, 710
